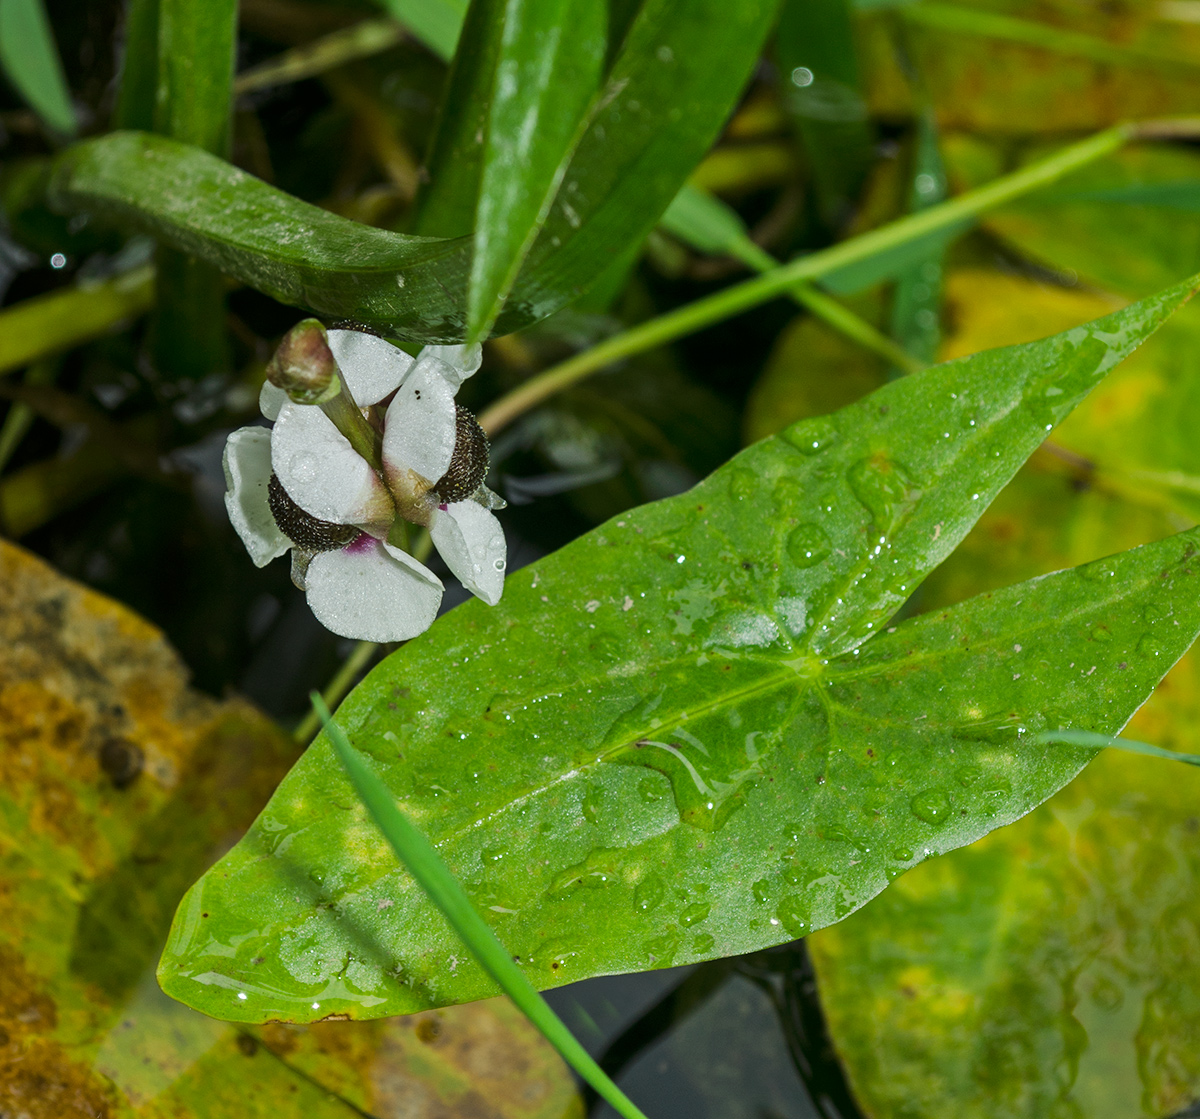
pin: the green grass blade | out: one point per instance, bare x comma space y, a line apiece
1099, 741
31, 61
434, 877
436, 23
707, 224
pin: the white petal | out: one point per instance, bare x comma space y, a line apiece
372, 592
471, 542
322, 473
371, 367
419, 430
247, 464
462, 361
270, 399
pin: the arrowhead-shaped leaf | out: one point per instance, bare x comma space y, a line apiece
684, 736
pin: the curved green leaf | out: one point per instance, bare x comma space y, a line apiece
678, 75
547, 69
673, 740
30, 59
293, 251
681, 68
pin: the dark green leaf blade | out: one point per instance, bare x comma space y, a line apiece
547, 70
670, 741
293, 251
678, 75
31, 62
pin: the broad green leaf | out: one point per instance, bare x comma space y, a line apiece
1050, 969
30, 61
673, 739
119, 784
437, 23
1041, 951
547, 69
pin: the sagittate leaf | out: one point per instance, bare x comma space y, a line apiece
1024, 976
117, 783
30, 60
673, 739
547, 68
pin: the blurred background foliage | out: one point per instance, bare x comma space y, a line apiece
949, 995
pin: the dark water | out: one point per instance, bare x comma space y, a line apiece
740, 1039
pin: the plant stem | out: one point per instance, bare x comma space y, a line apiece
435, 878
196, 45
347, 417
61, 320
741, 297
336, 689
370, 36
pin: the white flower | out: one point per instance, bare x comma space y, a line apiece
300, 485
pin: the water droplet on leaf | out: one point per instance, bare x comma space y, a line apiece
932, 806
808, 545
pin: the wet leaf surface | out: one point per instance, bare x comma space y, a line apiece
1051, 967
118, 784
673, 739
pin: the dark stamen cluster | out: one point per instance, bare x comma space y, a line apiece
469, 463
303, 529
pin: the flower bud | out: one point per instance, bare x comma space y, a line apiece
304, 366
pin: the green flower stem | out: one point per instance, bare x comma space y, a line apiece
1090, 739
336, 689
434, 877
19, 417
779, 281
347, 417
